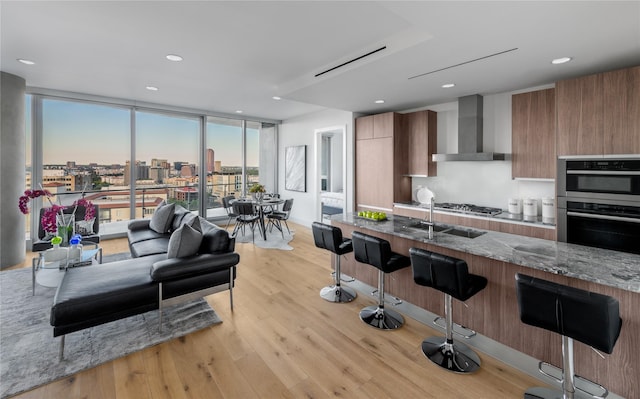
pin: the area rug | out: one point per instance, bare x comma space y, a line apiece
29, 353
274, 239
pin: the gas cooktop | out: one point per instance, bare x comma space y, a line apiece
469, 209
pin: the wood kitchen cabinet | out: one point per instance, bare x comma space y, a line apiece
622, 111
599, 114
580, 122
422, 135
381, 162
533, 129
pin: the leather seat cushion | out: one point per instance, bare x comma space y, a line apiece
94, 291
150, 247
135, 236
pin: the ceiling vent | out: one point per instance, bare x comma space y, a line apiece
350, 61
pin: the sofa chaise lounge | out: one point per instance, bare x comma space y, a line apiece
177, 257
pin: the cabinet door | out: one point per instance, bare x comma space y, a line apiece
533, 134
622, 116
364, 127
422, 134
374, 173
580, 116
384, 124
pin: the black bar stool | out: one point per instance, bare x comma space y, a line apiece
377, 252
451, 276
591, 318
330, 238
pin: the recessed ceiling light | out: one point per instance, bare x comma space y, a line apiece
152, 88
561, 60
174, 57
26, 62
276, 98
448, 85
238, 111
379, 101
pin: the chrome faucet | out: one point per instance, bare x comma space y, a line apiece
431, 218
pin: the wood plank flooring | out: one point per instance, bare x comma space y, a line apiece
283, 341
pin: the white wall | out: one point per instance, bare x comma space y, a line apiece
300, 131
480, 183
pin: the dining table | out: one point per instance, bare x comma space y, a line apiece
262, 207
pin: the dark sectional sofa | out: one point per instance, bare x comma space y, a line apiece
159, 274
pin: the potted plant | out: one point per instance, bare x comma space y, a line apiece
258, 191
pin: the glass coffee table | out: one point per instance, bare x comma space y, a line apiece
49, 267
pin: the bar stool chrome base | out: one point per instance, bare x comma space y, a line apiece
381, 318
543, 393
458, 358
338, 293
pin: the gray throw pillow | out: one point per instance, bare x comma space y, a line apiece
193, 221
184, 242
162, 218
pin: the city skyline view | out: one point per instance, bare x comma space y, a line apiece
87, 133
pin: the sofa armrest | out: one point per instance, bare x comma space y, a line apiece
174, 268
138, 224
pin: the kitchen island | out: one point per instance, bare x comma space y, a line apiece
494, 311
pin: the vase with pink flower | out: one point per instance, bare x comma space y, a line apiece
57, 220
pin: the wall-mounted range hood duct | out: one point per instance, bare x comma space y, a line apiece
470, 110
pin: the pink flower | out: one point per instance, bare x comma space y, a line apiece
90, 211
48, 221
23, 201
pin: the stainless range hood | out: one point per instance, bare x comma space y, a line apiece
470, 110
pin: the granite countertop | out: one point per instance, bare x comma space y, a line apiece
611, 268
505, 216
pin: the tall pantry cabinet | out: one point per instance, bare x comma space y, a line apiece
380, 168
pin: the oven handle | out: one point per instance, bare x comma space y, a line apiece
605, 217
605, 172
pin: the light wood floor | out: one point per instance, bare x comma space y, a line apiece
283, 341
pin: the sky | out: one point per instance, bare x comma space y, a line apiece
89, 133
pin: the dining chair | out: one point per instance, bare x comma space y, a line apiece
226, 204
276, 218
246, 216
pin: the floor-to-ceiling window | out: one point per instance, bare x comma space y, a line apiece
128, 158
167, 163
224, 160
85, 147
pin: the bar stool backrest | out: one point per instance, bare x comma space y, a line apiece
371, 250
330, 238
588, 317
444, 273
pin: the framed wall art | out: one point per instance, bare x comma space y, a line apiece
295, 168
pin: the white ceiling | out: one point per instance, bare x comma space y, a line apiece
237, 55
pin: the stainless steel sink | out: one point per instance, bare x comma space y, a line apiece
465, 233
448, 229
424, 225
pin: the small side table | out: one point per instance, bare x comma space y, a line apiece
51, 268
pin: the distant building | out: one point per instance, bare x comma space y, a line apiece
188, 170
210, 161
218, 167
142, 171
187, 194
71, 164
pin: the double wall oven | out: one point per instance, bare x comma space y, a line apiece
599, 203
